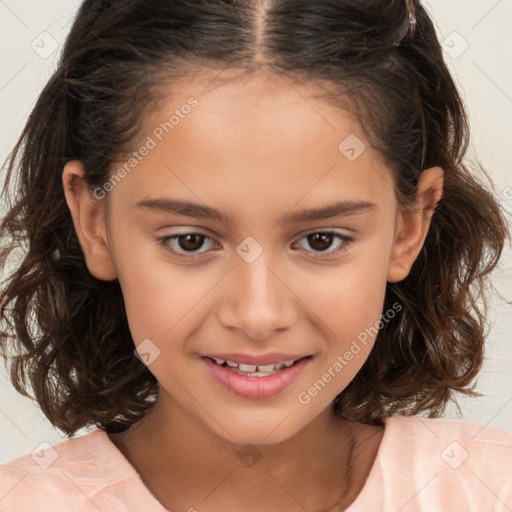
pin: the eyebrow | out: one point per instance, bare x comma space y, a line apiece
195, 210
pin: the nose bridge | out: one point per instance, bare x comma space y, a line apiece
258, 302
258, 283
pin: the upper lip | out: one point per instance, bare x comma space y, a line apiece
271, 358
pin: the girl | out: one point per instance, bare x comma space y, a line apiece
251, 261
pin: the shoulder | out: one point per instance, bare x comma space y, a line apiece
429, 433
449, 459
452, 442
62, 477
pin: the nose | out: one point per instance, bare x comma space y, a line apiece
258, 301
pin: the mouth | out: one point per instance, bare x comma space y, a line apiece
256, 382
253, 370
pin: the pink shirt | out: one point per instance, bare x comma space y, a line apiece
427, 465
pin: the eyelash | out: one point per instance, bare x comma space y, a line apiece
345, 242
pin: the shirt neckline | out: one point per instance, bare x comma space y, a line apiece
371, 483
124, 466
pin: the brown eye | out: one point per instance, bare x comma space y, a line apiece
184, 244
191, 242
321, 241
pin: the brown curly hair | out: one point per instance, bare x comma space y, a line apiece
66, 332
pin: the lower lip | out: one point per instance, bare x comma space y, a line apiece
256, 388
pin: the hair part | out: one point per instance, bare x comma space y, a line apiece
66, 332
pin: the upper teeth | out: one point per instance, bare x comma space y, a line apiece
252, 367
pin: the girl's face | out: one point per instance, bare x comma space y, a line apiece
264, 170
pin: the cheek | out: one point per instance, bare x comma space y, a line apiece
347, 305
349, 298
158, 294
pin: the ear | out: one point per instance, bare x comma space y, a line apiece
413, 226
89, 219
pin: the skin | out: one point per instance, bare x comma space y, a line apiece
258, 149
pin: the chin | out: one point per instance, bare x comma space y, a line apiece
260, 428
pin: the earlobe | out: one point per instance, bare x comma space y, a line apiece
413, 226
89, 220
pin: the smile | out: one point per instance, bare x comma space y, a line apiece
253, 381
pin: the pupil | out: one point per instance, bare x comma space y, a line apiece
191, 246
325, 240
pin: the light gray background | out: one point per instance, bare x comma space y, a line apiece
29, 31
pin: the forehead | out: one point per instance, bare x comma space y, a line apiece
258, 103
256, 134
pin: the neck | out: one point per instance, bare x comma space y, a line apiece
179, 459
